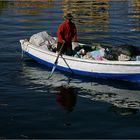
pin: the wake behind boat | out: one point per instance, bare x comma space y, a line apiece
41, 46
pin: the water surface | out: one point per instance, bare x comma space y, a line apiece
31, 106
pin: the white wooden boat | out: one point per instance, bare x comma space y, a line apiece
120, 70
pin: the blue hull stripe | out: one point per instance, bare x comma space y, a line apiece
128, 77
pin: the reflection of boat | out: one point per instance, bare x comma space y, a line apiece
123, 111
119, 94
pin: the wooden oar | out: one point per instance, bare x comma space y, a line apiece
67, 64
56, 61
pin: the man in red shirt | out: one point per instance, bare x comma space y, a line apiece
66, 33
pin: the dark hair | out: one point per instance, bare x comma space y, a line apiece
68, 16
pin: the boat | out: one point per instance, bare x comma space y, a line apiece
106, 69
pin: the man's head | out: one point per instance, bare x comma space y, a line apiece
68, 16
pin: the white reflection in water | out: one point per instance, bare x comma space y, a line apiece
117, 93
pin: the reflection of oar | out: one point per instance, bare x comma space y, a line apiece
56, 61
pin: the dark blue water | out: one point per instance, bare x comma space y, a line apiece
31, 106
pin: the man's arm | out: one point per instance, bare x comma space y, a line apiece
75, 34
59, 33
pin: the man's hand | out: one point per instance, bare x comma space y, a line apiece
75, 44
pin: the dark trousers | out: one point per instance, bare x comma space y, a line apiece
67, 48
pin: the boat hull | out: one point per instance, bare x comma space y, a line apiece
128, 71
121, 76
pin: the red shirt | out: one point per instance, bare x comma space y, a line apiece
67, 31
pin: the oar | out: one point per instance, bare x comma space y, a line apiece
56, 61
67, 64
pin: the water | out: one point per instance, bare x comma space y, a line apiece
33, 107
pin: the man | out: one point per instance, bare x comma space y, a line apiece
66, 33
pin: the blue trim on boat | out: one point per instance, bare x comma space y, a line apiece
127, 77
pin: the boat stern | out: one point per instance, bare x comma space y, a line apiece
24, 44
21, 41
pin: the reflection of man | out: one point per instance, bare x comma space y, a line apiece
66, 98
66, 33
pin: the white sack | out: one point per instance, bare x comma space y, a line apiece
39, 38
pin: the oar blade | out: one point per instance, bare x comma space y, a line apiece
53, 69
56, 61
